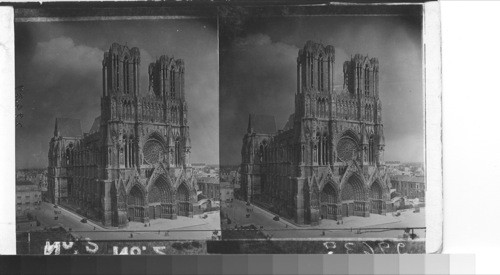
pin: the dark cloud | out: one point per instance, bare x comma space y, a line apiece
258, 74
60, 64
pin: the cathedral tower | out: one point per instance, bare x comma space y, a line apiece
133, 164
327, 161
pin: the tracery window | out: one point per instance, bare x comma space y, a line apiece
376, 191
371, 150
125, 75
353, 190
172, 82
183, 193
136, 197
346, 149
177, 152
367, 81
328, 194
153, 149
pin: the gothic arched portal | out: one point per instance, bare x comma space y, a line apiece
376, 198
161, 199
135, 203
183, 200
376, 191
328, 200
353, 189
354, 197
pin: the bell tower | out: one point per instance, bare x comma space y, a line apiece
120, 70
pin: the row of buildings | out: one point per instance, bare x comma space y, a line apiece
28, 198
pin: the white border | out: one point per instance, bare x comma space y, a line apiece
432, 83
7, 137
471, 114
433, 127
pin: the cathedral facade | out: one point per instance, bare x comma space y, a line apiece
133, 164
328, 160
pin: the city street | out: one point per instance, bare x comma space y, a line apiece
237, 211
182, 228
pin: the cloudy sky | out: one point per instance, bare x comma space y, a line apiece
258, 74
59, 64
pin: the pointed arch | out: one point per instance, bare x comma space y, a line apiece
177, 152
183, 193
161, 198
319, 154
136, 196
329, 199
353, 189
131, 149
158, 136
351, 134
376, 196
376, 190
326, 148
183, 198
329, 193
161, 191
371, 149
136, 201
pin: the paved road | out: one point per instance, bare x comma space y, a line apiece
237, 211
192, 226
66, 219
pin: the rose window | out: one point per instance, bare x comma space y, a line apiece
346, 149
152, 151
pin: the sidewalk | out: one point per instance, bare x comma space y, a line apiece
375, 220
179, 223
407, 219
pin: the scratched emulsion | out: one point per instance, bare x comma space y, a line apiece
124, 248
317, 247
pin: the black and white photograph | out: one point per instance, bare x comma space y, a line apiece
322, 122
249, 136
116, 129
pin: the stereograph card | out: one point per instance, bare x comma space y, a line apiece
226, 128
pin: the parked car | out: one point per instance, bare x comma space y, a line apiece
55, 206
83, 220
276, 218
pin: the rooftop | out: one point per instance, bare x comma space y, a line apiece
408, 178
208, 179
96, 125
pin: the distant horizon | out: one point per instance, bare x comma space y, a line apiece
33, 168
235, 164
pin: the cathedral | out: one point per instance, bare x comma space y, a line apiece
133, 164
327, 162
